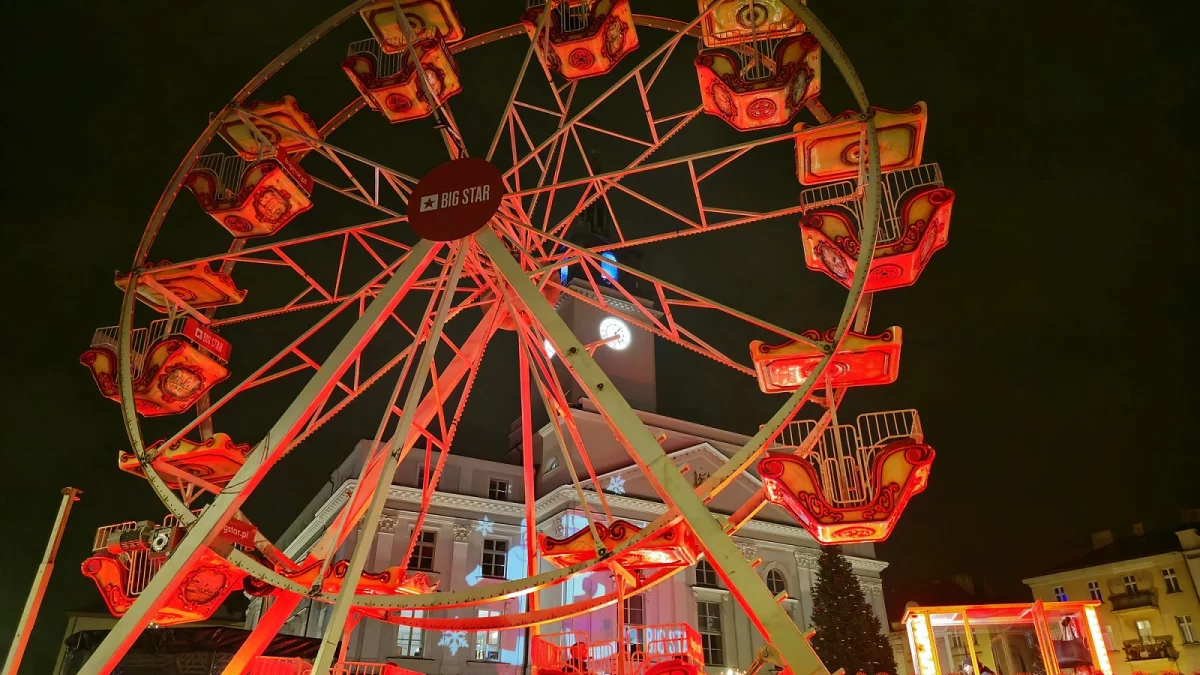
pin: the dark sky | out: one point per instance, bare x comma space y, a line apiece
1049, 347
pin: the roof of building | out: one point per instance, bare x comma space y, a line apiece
1131, 547
957, 590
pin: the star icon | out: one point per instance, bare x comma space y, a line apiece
429, 203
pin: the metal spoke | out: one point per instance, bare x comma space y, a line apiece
773, 622
265, 454
358, 558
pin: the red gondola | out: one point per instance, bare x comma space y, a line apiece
673, 546
174, 362
389, 82
583, 38
250, 198
862, 360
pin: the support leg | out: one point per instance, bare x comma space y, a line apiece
771, 620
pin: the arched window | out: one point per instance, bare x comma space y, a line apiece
706, 575
775, 582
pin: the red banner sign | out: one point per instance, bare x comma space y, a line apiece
204, 337
239, 532
455, 199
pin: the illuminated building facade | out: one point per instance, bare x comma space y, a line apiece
474, 535
1146, 588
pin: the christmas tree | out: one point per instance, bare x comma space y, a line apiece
848, 634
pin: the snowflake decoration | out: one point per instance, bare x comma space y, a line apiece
484, 526
454, 640
616, 485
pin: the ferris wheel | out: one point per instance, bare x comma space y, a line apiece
322, 249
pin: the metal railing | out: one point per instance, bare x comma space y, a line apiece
100, 542
896, 186
604, 658
878, 428
794, 433
1159, 647
650, 645
359, 668
141, 566
873, 428
109, 336
277, 665
141, 339
228, 169
828, 194
844, 454
665, 642
142, 569
573, 15
757, 58
386, 64
554, 649
1133, 599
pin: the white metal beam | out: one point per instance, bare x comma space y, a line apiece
760, 605
366, 535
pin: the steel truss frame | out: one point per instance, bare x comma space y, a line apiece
506, 265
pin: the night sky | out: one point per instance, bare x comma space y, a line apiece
1049, 347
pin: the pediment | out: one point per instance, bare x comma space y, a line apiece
702, 460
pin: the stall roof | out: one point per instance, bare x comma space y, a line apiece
946, 615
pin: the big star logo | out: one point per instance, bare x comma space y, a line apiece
455, 199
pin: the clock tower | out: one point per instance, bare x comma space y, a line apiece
627, 356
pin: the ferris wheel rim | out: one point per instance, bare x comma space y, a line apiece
250, 565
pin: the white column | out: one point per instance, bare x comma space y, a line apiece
379, 639
873, 590
744, 650
806, 565
729, 624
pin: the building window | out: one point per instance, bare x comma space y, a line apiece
708, 619
1186, 630
410, 641
1171, 580
499, 489
420, 481
635, 618
775, 582
1094, 591
1110, 643
1144, 631
487, 642
495, 554
551, 465
422, 555
706, 575
1060, 594
1130, 583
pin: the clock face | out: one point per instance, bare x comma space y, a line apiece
619, 333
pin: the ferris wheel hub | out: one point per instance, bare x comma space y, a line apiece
455, 199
